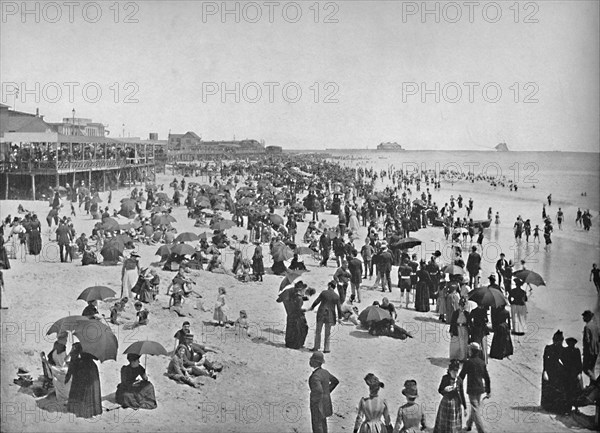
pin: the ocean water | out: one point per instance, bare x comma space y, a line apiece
565, 175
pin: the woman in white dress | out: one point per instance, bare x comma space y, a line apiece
15, 235
58, 360
129, 275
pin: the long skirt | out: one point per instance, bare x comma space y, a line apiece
35, 242
459, 343
554, 398
441, 303
4, 258
519, 319
422, 298
85, 397
449, 416
296, 330
129, 281
220, 314
140, 395
502, 346
61, 388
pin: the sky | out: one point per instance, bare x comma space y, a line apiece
314, 75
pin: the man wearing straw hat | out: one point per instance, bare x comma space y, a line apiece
321, 383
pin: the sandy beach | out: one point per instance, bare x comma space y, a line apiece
263, 386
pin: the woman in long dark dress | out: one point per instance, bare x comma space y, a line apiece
573, 371
4, 260
137, 394
554, 377
422, 291
85, 398
502, 346
35, 236
296, 327
258, 267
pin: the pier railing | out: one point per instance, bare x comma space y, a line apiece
89, 164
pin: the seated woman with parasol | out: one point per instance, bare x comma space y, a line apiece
132, 392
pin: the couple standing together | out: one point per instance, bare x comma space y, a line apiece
328, 313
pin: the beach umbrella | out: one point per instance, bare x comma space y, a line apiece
60, 189
282, 253
529, 277
204, 235
128, 203
96, 199
163, 220
219, 206
146, 348
163, 251
222, 225
488, 297
453, 270
111, 253
96, 293
303, 251
276, 219
203, 202
245, 201
186, 237
162, 196
373, 314
110, 224
406, 243
420, 203
68, 323
290, 277
96, 338
183, 249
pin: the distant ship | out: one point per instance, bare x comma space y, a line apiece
501, 147
389, 147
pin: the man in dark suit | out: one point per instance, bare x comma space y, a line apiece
385, 262
501, 265
478, 383
321, 383
325, 247
326, 314
473, 266
63, 237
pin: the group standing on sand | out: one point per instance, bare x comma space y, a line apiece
389, 217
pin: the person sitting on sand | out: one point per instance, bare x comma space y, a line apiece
116, 309
91, 310
141, 313
194, 361
177, 371
134, 393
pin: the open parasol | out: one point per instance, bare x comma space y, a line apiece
96, 293
453, 270
96, 338
373, 313
146, 348
186, 237
183, 249
529, 277
488, 297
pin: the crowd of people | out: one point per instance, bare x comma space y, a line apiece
447, 287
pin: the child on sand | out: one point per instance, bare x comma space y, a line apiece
221, 308
241, 324
141, 313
